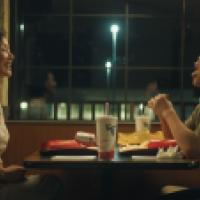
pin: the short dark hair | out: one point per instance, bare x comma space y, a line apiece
2, 34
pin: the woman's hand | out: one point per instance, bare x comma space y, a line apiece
160, 104
13, 173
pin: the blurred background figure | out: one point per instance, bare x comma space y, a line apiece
151, 89
50, 85
42, 105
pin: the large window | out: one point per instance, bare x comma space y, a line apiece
63, 47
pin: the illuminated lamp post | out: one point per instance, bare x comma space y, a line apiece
114, 30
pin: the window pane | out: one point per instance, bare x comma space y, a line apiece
125, 111
46, 6
100, 87
89, 78
74, 111
87, 111
192, 32
48, 84
103, 6
192, 8
99, 110
75, 44
62, 111
192, 38
156, 7
39, 109
161, 46
144, 85
46, 40
92, 40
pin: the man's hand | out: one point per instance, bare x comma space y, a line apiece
160, 104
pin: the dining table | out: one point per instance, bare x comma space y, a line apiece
121, 161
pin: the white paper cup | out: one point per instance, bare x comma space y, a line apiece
142, 123
106, 128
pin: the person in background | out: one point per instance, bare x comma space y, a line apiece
50, 87
152, 89
14, 185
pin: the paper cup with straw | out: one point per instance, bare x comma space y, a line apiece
106, 129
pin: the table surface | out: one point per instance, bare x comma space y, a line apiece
108, 167
37, 161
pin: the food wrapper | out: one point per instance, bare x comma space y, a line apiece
86, 138
134, 138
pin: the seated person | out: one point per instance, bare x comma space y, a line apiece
186, 134
13, 183
50, 87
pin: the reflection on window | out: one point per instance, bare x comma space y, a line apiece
50, 111
62, 111
39, 109
74, 111
125, 111
23, 110
99, 110
72, 39
114, 109
87, 111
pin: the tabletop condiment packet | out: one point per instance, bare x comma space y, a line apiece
171, 152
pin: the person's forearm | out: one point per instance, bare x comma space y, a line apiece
165, 128
186, 139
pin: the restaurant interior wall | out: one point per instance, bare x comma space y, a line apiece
62, 47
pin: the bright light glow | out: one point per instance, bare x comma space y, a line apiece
141, 107
114, 28
108, 64
62, 111
63, 105
21, 27
23, 105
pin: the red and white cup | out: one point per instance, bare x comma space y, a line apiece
106, 130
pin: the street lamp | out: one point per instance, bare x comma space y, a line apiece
114, 30
108, 66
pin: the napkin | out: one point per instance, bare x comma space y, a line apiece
73, 158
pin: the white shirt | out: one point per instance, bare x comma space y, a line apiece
4, 135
